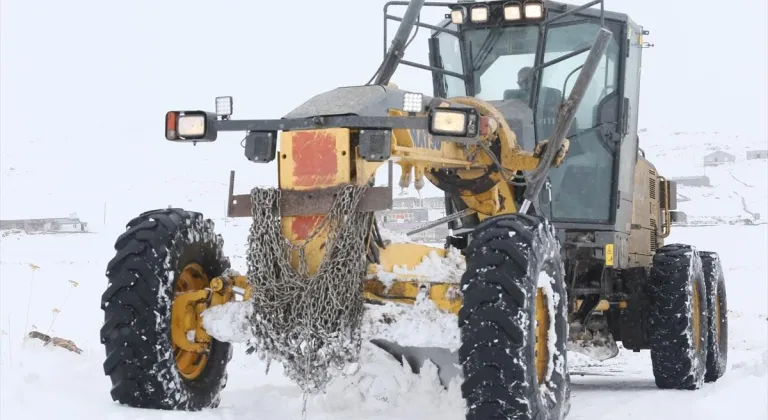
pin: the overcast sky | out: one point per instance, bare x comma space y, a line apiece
85, 84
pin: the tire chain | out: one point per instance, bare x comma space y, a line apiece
310, 323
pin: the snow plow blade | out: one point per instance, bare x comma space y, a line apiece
446, 361
424, 288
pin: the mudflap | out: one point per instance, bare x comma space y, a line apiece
446, 361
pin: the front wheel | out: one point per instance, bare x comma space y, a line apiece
154, 360
513, 322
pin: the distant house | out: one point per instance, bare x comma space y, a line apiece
406, 203
48, 225
692, 181
718, 158
433, 202
757, 154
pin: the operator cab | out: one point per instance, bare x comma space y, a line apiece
524, 59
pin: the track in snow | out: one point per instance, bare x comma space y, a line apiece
36, 382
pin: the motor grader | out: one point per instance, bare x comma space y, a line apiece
531, 133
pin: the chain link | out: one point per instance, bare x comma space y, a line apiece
310, 323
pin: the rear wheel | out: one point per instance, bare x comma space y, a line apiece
152, 359
678, 318
717, 331
513, 322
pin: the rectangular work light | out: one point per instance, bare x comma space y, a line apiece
457, 15
455, 122
479, 13
513, 11
190, 126
224, 106
534, 10
413, 102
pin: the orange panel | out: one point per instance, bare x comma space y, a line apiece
314, 158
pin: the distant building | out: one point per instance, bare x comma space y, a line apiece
402, 215
718, 158
49, 225
409, 213
406, 203
692, 181
757, 154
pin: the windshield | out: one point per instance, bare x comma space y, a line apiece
501, 59
497, 55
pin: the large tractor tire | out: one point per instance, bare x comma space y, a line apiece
162, 252
678, 318
717, 331
513, 322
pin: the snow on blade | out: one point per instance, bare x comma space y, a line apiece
433, 269
422, 324
379, 383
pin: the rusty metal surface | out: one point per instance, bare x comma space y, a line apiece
312, 202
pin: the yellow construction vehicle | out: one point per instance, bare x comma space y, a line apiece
531, 132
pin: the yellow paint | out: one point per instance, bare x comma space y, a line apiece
191, 357
444, 295
609, 255
469, 162
192, 297
542, 336
696, 308
603, 305
405, 255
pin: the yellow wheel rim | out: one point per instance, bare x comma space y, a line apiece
190, 364
696, 319
542, 336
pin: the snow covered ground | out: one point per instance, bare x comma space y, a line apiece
38, 382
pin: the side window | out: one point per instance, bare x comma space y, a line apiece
582, 185
450, 55
558, 80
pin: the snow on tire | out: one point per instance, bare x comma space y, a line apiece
717, 332
514, 270
678, 318
137, 310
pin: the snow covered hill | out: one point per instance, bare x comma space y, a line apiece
738, 191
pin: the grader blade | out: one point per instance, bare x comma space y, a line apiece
446, 361
422, 282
